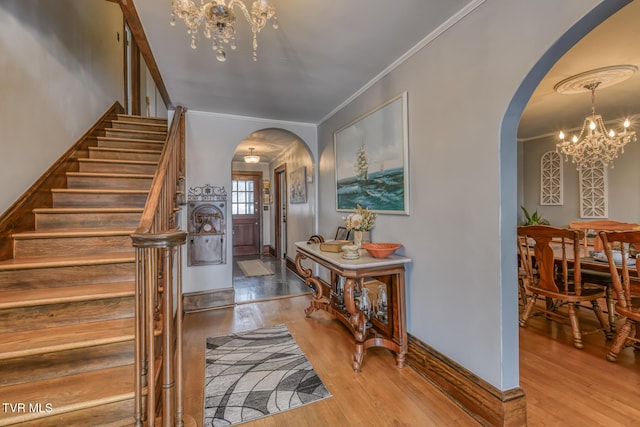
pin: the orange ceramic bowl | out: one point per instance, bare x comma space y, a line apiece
381, 250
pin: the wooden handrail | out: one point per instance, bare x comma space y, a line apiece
158, 243
174, 144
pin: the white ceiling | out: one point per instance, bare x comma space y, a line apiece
324, 52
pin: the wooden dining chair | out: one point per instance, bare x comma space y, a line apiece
526, 271
626, 306
554, 281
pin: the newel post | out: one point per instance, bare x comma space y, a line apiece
158, 338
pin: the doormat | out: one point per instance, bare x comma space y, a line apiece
254, 374
254, 267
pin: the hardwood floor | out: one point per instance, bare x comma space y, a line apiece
564, 386
570, 387
380, 395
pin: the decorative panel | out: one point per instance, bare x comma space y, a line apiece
207, 228
594, 197
551, 179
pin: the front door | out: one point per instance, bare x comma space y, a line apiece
246, 212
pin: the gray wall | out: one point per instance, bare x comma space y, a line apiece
300, 216
467, 89
61, 68
624, 185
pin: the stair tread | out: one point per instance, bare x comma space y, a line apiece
64, 261
135, 162
69, 393
113, 138
32, 297
140, 116
153, 122
98, 190
73, 232
87, 210
68, 337
110, 175
125, 150
138, 131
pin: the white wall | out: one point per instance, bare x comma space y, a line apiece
624, 184
461, 287
61, 68
211, 143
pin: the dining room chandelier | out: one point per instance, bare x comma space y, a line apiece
220, 22
594, 143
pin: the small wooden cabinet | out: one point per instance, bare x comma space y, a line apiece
386, 329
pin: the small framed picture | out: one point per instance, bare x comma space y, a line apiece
342, 233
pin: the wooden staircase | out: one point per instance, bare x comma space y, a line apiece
67, 295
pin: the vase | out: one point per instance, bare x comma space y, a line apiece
357, 238
360, 237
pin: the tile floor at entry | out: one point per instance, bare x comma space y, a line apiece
282, 284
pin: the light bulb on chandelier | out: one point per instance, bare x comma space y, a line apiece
595, 144
220, 22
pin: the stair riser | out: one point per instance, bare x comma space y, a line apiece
90, 200
139, 126
56, 277
132, 145
123, 155
126, 133
109, 182
111, 415
30, 318
72, 246
111, 167
42, 366
48, 221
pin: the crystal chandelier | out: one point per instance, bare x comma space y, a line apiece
595, 143
220, 21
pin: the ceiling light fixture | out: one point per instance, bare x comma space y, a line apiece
220, 21
251, 158
595, 143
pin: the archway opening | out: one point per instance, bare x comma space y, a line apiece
273, 205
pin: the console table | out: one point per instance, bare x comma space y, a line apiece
388, 331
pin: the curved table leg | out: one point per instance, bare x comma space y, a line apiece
358, 320
311, 282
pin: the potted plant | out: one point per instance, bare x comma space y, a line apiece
533, 219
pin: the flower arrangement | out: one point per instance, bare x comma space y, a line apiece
360, 220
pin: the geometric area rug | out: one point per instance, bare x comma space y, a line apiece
254, 374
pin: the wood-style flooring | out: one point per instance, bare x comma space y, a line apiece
564, 386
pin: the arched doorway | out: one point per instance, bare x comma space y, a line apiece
268, 216
511, 161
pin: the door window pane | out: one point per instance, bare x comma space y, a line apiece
242, 197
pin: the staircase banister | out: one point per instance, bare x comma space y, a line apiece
149, 212
166, 239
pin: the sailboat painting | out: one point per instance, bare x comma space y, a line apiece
371, 160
